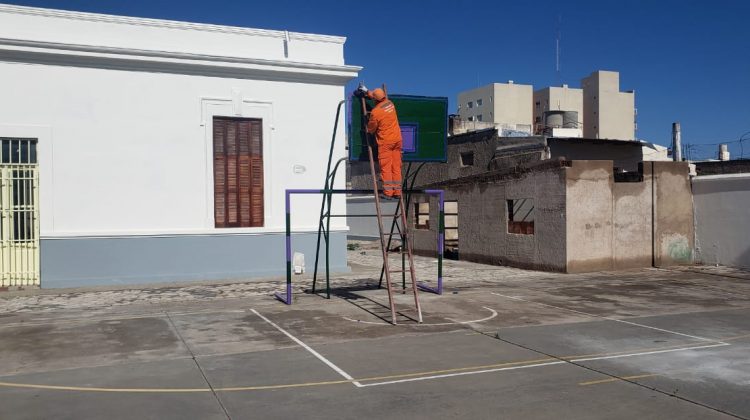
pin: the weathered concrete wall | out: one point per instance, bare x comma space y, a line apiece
583, 220
674, 236
633, 222
721, 219
614, 225
483, 221
589, 209
626, 155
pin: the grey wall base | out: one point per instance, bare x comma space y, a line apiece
77, 262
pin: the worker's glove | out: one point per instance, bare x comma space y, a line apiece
361, 91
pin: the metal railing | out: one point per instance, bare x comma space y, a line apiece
19, 213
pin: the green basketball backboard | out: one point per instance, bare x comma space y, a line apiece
424, 128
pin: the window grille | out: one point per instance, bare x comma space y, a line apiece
19, 212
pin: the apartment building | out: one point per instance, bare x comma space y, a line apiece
607, 112
507, 105
596, 110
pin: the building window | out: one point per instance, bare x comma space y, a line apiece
451, 230
238, 172
467, 159
521, 216
422, 218
490, 99
490, 114
18, 190
537, 103
471, 118
479, 102
470, 104
479, 117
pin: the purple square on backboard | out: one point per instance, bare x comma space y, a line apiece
409, 137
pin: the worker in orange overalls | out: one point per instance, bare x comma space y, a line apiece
383, 124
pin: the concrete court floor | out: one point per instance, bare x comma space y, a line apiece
500, 343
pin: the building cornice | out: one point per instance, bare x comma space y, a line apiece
168, 24
50, 53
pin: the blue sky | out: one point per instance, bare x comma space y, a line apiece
688, 61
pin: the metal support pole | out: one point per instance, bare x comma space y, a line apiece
441, 242
328, 185
288, 297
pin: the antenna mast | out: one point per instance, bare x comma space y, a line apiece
557, 49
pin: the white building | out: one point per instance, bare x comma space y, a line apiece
598, 110
607, 112
165, 148
507, 105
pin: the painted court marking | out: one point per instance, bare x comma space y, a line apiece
310, 349
396, 378
388, 379
610, 380
493, 314
557, 362
710, 340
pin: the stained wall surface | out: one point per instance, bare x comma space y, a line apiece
674, 235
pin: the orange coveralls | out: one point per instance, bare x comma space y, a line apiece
383, 123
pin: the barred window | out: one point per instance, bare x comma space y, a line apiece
521, 216
18, 159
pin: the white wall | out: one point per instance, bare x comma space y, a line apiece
127, 152
722, 227
121, 32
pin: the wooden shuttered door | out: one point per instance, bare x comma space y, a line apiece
238, 172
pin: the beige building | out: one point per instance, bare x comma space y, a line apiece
507, 105
607, 112
563, 99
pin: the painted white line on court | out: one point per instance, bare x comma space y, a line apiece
310, 349
560, 362
449, 375
493, 314
710, 340
646, 353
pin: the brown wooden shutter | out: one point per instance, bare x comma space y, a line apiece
220, 173
238, 172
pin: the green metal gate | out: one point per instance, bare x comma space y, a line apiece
19, 213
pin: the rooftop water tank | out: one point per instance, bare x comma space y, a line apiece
561, 119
